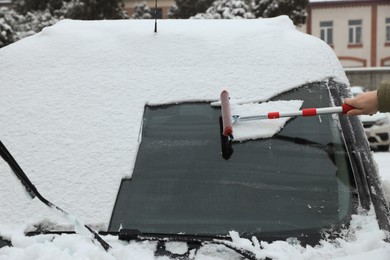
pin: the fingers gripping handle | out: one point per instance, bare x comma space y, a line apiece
227, 129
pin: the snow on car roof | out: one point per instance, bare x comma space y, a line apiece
72, 97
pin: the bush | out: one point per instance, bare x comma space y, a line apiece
31, 16
227, 9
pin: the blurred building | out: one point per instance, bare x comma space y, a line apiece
357, 30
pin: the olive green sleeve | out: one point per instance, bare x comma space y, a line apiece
384, 97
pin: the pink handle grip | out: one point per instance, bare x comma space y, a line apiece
226, 114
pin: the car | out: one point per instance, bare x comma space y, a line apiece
118, 128
355, 90
376, 127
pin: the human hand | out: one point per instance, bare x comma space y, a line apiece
365, 103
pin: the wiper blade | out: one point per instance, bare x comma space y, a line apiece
134, 234
33, 191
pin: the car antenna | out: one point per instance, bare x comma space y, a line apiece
155, 17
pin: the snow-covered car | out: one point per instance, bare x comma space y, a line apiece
118, 127
376, 127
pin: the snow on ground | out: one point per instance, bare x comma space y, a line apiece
72, 100
383, 163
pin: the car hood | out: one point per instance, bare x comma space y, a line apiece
373, 118
73, 96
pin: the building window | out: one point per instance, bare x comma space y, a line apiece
387, 30
355, 31
326, 31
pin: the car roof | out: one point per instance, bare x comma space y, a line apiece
73, 95
357, 89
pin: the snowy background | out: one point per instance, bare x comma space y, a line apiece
72, 99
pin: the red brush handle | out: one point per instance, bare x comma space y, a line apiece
347, 108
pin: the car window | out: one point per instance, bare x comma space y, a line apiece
298, 179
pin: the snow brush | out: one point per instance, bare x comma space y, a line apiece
33, 192
227, 119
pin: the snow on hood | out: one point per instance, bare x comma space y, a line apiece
72, 97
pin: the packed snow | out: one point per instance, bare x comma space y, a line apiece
72, 100
255, 129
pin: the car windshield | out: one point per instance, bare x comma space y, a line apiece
300, 179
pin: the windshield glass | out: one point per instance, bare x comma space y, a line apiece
298, 179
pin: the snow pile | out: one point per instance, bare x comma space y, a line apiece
363, 241
383, 165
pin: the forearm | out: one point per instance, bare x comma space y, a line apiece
384, 97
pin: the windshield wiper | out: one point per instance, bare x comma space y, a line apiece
134, 234
33, 191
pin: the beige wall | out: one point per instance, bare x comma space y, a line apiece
370, 78
350, 55
373, 52
383, 48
